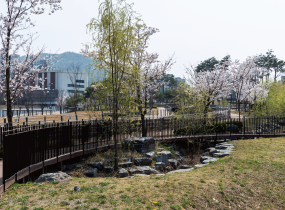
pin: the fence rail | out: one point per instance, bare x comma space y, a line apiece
27, 148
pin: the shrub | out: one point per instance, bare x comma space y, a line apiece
217, 127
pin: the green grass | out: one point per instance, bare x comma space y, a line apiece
252, 178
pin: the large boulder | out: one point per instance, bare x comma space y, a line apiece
173, 163
50, 177
126, 164
162, 158
143, 170
168, 153
142, 161
99, 165
159, 166
91, 173
122, 173
141, 144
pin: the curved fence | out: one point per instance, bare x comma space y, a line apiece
32, 147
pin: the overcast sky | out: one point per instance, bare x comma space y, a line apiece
194, 30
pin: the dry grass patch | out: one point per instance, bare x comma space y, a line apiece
252, 178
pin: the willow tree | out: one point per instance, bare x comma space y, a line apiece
112, 38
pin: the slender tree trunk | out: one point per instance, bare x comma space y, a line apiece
239, 110
8, 94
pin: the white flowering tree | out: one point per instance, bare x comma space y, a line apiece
246, 85
17, 75
211, 85
147, 71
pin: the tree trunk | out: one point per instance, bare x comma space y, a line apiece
143, 125
116, 167
239, 110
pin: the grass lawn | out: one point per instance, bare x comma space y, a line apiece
252, 178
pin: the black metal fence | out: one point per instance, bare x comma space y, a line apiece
28, 147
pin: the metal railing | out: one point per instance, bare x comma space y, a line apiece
27, 148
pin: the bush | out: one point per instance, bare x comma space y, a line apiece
239, 124
217, 127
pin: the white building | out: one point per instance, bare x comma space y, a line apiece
69, 82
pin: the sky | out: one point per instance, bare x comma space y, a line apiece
192, 30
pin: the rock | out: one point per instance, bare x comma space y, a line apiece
76, 188
213, 151
150, 154
127, 159
221, 147
91, 173
204, 158
168, 153
206, 154
209, 160
126, 164
108, 169
200, 165
159, 166
162, 158
99, 165
173, 163
142, 161
122, 173
180, 170
232, 128
184, 167
180, 160
72, 167
181, 151
50, 177
141, 144
143, 170
221, 154
209, 149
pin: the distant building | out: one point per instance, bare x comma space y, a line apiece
166, 85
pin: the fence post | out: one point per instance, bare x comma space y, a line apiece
243, 126
61, 118
82, 139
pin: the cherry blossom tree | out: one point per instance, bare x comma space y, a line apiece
147, 71
17, 75
211, 85
245, 81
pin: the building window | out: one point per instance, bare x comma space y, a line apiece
73, 91
71, 85
80, 81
